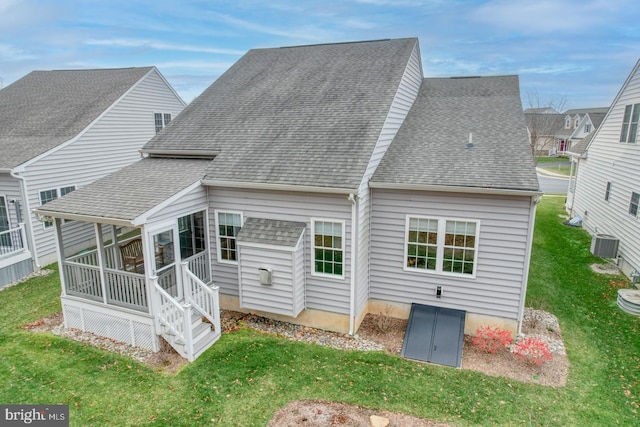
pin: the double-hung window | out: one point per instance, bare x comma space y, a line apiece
633, 205
328, 247
630, 123
161, 120
48, 195
228, 227
441, 245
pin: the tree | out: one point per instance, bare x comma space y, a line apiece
543, 120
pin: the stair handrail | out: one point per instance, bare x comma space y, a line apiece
205, 299
164, 301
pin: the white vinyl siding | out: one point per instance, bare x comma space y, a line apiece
609, 160
321, 293
109, 144
500, 261
286, 294
402, 103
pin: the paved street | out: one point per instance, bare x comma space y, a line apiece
553, 185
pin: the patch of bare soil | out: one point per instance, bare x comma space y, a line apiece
313, 413
536, 323
605, 269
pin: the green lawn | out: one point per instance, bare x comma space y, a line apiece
246, 376
543, 160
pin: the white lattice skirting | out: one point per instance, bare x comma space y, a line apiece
112, 322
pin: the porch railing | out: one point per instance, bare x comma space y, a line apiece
205, 299
83, 281
123, 289
198, 264
126, 289
13, 240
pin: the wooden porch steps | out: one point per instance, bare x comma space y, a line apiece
629, 301
203, 335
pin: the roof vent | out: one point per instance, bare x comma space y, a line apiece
470, 143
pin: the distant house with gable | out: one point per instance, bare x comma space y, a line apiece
61, 130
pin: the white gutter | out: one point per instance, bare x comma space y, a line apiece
525, 273
25, 196
277, 187
45, 215
354, 262
454, 189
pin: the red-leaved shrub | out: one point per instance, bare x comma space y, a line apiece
532, 350
490, 339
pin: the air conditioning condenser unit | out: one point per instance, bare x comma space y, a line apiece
604, 246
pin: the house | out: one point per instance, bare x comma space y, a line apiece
605, 191
60, 130
311, 184
547, 132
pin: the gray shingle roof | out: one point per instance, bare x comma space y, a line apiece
271, 232
46, 108
431, 149
581, 147
132, 191
583, 111
547, 124
308, 115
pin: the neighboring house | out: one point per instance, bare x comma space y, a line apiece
311, 184
60, 130
605, 190
546, 132
556, 133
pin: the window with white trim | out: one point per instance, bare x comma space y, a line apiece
328, 247
441, 245
587, 128
229, 225
630, 123
48, 195
633, 205
161, 120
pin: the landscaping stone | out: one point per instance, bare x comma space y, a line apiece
377, 421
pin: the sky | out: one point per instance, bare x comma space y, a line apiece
568, 53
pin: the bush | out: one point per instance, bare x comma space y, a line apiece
491, 339
533, 351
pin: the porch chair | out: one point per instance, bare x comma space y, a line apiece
131, 254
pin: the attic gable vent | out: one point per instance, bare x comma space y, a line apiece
604, 246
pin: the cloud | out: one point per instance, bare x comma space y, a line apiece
161, 46
11, 53
393, 3
308, 32
546, 16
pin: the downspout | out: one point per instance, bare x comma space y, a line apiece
25, 196
354, 262
525, 273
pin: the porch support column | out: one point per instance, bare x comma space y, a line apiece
100, 252
116, 248
61, 255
